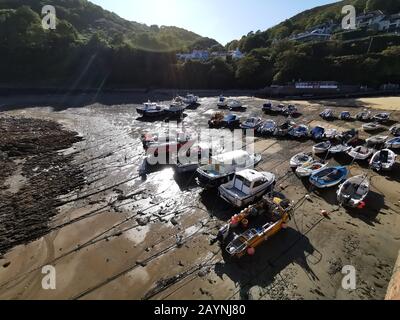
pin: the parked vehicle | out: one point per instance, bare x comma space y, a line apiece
251, 123
299, 132
309, 169
223, 167
300, 159
317, 133
329, 177
353, 192
267, 128
383, 160
360, 153
345, 115
393, 143
246, 187
327, 114
322, 147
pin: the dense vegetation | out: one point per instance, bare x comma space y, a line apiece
92, 47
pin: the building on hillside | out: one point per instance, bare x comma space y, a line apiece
317, 34
317, 85
236, 54
369, 19
200, 55
390, 23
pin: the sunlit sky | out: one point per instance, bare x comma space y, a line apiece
222, 20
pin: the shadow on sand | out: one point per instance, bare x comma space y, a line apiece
273, 256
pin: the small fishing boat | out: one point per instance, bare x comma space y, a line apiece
360, 153
167, 144
151, 109
339, 148
235, 105
222, 102
223, 167
348, 137
290, 110
300, 159
395, 130
322, 147
252, 123
267, 128
192, 159
383, 160
284, 128
277, 212
331, 134
393, 143
246, 187
300, 131
190, 99
373, 126
327, 114
364, 116
309, 169
267, 107
175, 109
382, 117
345, 115
149, 139
376, 140
317, 133
231, 121
353, 192
329, 177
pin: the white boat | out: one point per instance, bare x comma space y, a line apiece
197, 155
176, 108
360, 153
383, 160
151, 109
340, 148
353, 191
223, 167
373, 126
329, 177
376, 140
364, 116
222, 102
235, 105
382, 117
393, 143
190, 99
300, 159
309, 169
251, 123
300, 131
246, 187
268, 127
331, 133
322, 147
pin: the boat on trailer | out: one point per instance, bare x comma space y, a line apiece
353, 192
383, 160
329, 177
246, 187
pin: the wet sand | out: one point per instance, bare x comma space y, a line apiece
121, 237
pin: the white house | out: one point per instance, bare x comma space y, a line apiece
236, 54
390, 23
370, 19
201, 55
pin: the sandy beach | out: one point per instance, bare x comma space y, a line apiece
110, 234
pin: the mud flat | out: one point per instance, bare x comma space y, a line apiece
112, 235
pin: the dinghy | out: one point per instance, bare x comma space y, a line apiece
290, 110
267, 128
327, 114
251, 123
395, 130
331, 134
383, 160
364, 116
348, 137
299, 132
317, 133
353, 192
284, 128
376, 140
300, 159
329, 177
309, 169
382, 117
322, 147
393, 143
360, 153
190, 99
235, 105
345, 115
175, 109
373, 126
340, 148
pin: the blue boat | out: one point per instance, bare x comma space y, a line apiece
317, 133
329, 177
